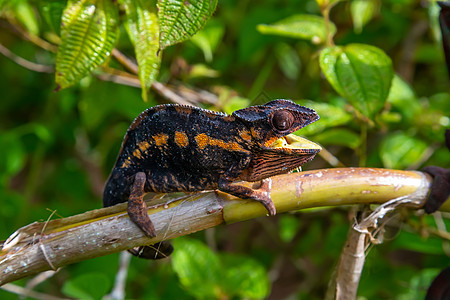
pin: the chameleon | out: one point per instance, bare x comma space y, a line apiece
181, 148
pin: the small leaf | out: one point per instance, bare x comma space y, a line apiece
399, 151
88, 34
25, 14
308, 27
143, 30
362, 11
360, 73
181, 19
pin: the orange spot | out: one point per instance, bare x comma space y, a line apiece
181, 139
202, 140
137, 153
126, 163
160, 139
144, 146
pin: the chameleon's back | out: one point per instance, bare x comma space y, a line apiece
169, 144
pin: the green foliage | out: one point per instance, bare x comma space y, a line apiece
88, 34
375, 76
306, 27
181, 19
207, 275
360, 73
143, 30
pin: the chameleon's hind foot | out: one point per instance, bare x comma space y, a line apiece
137, 209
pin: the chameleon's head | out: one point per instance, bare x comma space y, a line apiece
271, 126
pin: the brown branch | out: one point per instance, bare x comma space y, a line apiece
25, 63
109, 230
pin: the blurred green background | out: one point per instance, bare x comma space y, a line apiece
57, 149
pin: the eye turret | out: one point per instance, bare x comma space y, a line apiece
282, 120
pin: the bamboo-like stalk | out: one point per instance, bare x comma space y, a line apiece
44, 246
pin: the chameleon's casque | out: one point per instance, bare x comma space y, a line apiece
171, 148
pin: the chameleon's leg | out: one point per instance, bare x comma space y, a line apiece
137, 209
261, 195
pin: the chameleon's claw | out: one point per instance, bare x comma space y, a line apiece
264, 196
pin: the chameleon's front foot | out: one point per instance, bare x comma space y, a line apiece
263, 195
137, 209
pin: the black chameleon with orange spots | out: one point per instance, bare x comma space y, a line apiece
172, 148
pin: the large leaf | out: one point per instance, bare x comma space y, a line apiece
360, 73
88, 34
181, 19
143, 29
308, 27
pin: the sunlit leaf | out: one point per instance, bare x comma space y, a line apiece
399, 150
88, 34
360, 73
143, 29
181, 19
308, 27
362, 11
26, 16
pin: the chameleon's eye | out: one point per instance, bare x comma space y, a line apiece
282, 120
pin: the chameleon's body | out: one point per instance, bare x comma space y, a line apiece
170, 148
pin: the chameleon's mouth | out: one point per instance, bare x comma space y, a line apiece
296, 143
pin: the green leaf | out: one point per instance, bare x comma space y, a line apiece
87, 286
399, 150
25, 14
360, 73
362, 11
308, 27
143, 30
88, 34
338, 136
197, 267
181, 19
